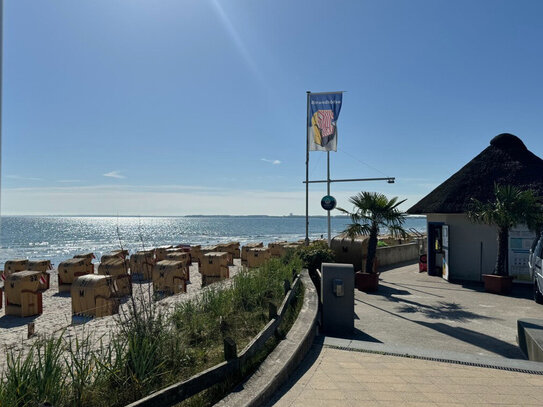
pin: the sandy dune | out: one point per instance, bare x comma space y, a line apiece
57, 314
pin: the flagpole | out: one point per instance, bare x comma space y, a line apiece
1, 62
307, 173
328, 193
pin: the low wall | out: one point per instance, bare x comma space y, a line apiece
231, 367
397, 254
285, 358
530, 338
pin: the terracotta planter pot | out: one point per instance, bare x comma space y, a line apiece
366, 282
498, 284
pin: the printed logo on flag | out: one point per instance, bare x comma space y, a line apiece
322, 126
324, 111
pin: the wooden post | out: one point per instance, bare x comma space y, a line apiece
286, 285
230, 349
272, 311
30, 327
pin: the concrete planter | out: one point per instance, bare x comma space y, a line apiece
498, 284
367, 282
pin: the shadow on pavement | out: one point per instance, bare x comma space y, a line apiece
478, 339
442, 310
387, 291
362, 336
524, 291
475, 338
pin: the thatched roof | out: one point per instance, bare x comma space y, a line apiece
506, 161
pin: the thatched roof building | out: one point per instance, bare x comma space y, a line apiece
459, 249
506, 161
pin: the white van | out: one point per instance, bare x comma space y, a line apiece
536, 268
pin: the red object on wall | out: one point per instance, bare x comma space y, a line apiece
423, 263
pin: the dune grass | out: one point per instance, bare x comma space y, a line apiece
149, 350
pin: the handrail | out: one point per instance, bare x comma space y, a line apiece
416, 232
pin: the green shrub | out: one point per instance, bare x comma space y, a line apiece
149, 351
315, 254
37, 377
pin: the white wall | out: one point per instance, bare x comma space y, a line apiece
465, 239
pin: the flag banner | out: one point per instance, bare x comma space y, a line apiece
323, 113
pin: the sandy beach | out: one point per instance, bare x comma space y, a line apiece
57, 314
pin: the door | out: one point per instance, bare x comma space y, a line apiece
445, 243
435, 248
538, 263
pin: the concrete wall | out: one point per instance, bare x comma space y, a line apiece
472, 246
397, 254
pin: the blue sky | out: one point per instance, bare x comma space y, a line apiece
135, 107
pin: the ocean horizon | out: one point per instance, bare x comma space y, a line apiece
57, 238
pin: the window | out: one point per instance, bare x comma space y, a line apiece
539, 247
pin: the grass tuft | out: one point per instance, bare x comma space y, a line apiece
150, 350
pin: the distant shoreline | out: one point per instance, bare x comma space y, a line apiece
190, 216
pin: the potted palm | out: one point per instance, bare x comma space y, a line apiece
371, 212
511, 206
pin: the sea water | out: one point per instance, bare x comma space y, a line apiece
58, 238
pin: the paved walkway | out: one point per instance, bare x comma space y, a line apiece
332, 377
414, 309
460, 340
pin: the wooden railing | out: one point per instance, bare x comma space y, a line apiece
232, 366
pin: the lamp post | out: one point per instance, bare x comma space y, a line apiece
328, 181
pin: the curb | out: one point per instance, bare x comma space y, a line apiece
285, 358
436, 355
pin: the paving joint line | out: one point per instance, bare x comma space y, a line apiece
435, 359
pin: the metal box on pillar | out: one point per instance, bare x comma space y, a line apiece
337, 297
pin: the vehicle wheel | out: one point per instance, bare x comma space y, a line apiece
538, 297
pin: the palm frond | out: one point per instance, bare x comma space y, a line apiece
372, 210
356, 229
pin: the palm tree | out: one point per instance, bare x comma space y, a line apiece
372, 211
511, 206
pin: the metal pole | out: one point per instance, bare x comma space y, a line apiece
1, 62
328, 193
390, 180
307, 173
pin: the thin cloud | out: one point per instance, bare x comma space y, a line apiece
19, 177
274, 162
68, 181
150, 200
114, 174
